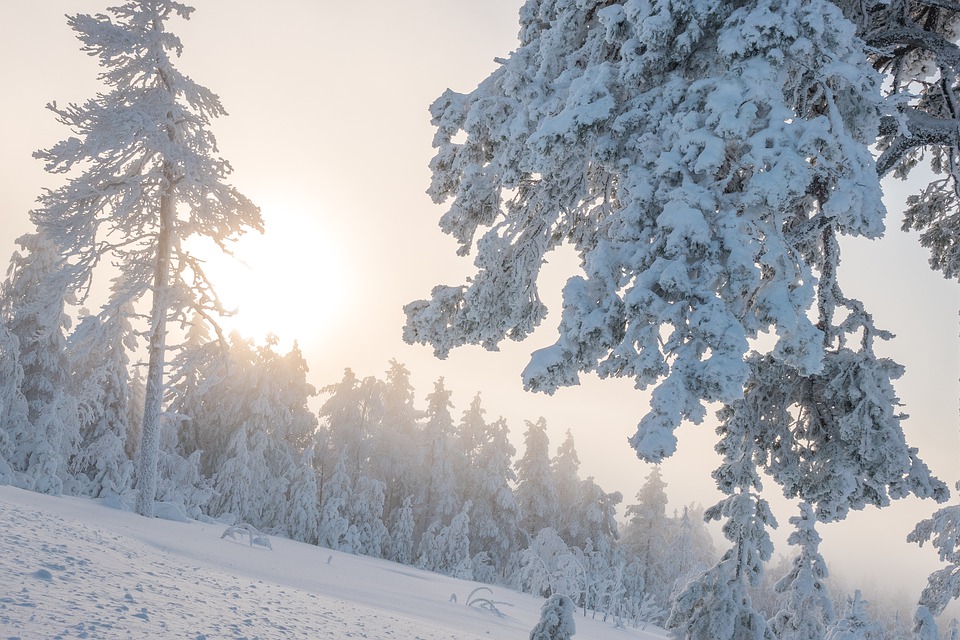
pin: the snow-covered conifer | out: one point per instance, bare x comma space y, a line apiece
495, 516
34, 296
717, 604
565, 466
13, 406
99, 356
942, 530
401, 539
808, 610
440, 457
855, 623
145, 178
334, 522
366, 514
352, 413
395, 445
303, 513
536, 491
924, 625
556, 619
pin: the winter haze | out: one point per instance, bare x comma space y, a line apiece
329, 134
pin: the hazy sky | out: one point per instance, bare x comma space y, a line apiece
329, 133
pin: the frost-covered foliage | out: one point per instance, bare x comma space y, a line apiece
143, 177
556, 620
670, 146
807, 609
669, 550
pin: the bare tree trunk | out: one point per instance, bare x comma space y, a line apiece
150, 439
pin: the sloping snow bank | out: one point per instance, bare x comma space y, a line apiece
75, 568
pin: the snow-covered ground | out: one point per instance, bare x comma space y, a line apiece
75, 568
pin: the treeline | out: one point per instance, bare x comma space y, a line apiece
374, 473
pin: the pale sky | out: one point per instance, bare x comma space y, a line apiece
329, 133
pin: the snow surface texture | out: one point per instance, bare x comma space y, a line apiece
73, 567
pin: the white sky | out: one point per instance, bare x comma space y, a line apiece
329, 133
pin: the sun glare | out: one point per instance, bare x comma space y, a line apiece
285, 282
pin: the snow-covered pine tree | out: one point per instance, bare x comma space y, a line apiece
446, 549
145, 179
34, 296
807, 610
536, 491
671, 146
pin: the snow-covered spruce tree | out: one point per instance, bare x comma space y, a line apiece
33, 300
144, 179
536, 491
807, 610
556, 620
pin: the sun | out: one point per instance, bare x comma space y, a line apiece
285, 282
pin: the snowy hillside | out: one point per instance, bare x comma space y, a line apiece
73, 567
